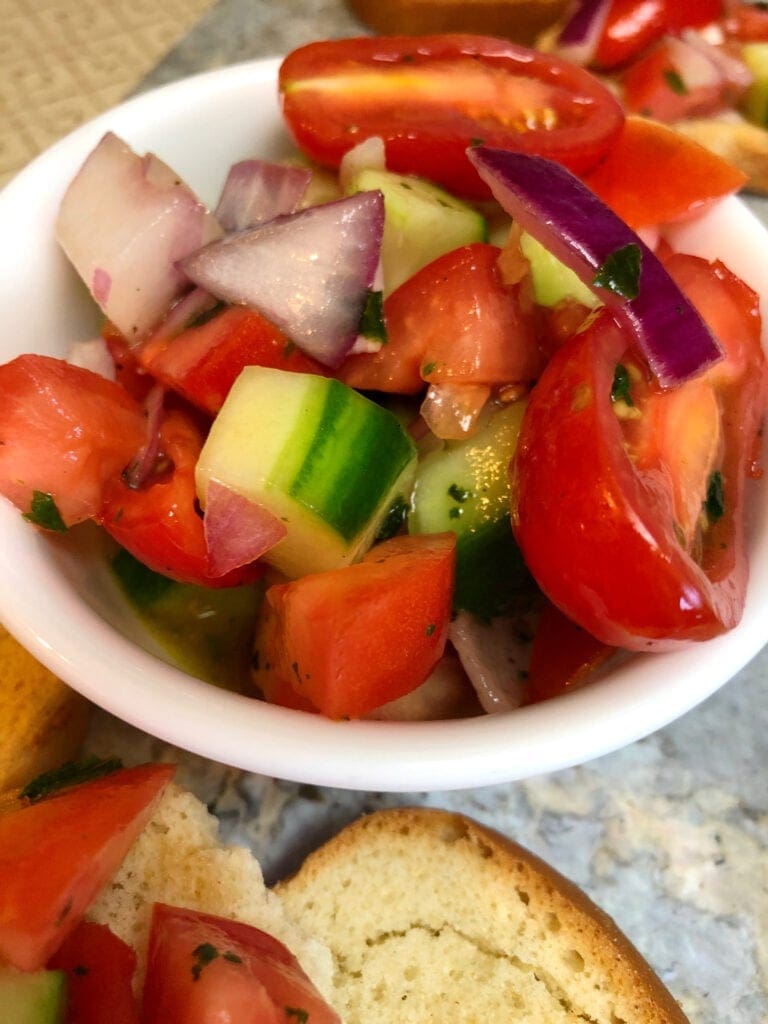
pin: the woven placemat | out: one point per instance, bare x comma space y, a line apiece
64, 61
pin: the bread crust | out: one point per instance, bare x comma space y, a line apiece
443, 852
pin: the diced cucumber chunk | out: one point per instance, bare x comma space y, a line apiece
421, 222
464, 487
35, 997
552, 280
755, 101
321, 457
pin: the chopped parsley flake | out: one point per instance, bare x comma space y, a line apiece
675, 82
73, 773
288, 349
458, 493
301, 1016
476, 142
714, 503
202, 955
620, 273
44, 513
427, 369
372, 321
455, 512
622, 386
431, 628
205, 317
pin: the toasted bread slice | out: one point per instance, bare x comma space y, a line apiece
433, 918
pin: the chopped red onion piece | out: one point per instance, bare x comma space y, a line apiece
495, 656
309, 273
731, 70
579, 36
451, 410
138, 474
183, 313
124, 222
368, 154
237, 530
256, 191
567, 218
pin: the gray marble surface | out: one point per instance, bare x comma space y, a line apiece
669, 835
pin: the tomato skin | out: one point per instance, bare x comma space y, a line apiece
352, 639
745, 21
159, 523
426, 130
686, 177
64, 431
202, 363
453, 321
56, 854
248, 976
598, 535
100, 969
563, 656
633, 25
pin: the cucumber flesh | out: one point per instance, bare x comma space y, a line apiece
421, 222
552, 280
464, 487
35, 997
326, 460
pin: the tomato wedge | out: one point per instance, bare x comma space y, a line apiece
100, 969
55, 856
203, 969
453, 321
598, 527
159, 523
352, 639
633, 25
430, 97
64, 432
686, 177
563, 656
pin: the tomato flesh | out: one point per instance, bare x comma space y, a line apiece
100, 969
203, 969
430, 97
55, 856
563, 656
453, 321
64, 432
355, 638
598, 532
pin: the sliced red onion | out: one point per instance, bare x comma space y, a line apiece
581, 231
93, 355
138, 474
183, 313
731, 70
495, 656
125, 221
237, 531
580, 35
256, 191
695, 66
309, 273
366, 155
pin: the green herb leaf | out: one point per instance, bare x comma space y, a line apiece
431, 629
301, 1016
620, 273
427, 369
205, 317
372, 321
622, 386
458, 493
73, 773
44, 513
714, 503
675, 82
202, 955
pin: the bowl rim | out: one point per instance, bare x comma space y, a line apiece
248, 734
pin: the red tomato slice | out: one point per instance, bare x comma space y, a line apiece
633, 25
355, 638
453, 321
686, 176
597, 530
430, 97
203, 969
159, 524
654, 85
202, 363
64, 432
56, 855
563, 656
100, 969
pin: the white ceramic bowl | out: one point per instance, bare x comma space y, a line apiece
60, 602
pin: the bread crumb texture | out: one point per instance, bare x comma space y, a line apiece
432, 918
178, 859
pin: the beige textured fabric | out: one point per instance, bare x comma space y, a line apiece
64, 61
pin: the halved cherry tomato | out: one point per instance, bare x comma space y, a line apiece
203, 969
633, 25
452, 322
159, 523
352, 639
55, 856
430, 97
563, 656
64, 433
686, 176
599, 531
100, 969
202, 363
